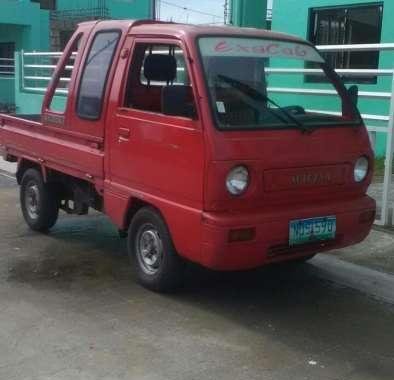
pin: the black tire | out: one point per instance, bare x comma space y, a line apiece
149, 236
43, 214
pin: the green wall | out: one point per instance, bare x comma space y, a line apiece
25, 24
137, 9
284, 20
28, 16
30, 102
7, 91
118, 9
249, 13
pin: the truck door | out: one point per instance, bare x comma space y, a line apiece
155, 141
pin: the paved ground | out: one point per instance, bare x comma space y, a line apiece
7, 166
376, 252
69, 309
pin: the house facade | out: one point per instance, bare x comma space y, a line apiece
23, 25
46, 25
249, 13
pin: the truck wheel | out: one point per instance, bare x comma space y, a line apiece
152, 252
38, 201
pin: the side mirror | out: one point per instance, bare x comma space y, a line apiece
178, 101
353, 94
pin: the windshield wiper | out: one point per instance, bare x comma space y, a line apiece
257, 95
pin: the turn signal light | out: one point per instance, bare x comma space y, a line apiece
242, 234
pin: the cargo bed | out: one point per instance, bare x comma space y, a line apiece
26, 137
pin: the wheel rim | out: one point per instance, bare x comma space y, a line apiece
149, 249
32, 200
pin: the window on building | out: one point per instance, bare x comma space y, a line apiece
95, 73
46, 4
6, 58
159, 81
358, 24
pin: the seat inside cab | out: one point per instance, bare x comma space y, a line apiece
158, 80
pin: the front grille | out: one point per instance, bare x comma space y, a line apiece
305, 178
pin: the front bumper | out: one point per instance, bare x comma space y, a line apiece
270, 244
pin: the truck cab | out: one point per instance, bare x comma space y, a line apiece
182, 136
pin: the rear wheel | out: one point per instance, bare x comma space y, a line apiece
157, 264
38, 201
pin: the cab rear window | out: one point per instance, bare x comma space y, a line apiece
95, 73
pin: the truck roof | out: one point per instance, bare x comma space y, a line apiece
172, 29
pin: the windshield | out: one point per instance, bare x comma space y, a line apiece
259, 83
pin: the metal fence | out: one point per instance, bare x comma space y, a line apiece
37, 69
7, 68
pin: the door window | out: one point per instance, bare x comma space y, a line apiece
159, 81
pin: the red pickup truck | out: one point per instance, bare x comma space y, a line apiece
183, 137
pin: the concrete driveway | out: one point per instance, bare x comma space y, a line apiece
70, 309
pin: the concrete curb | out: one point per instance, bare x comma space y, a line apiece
377, 284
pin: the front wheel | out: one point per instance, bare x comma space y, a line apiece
157, 264
38, 202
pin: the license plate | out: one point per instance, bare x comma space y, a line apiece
304, 231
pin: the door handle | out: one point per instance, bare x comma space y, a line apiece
122, 139
123, 134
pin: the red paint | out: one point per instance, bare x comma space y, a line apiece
179, 165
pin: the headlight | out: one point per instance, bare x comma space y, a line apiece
237, 180
361, 169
